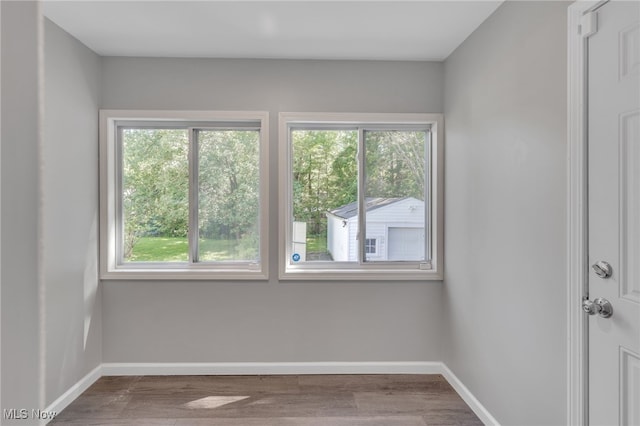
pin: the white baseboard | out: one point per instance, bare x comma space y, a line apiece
473, 403
266, 368
74, 391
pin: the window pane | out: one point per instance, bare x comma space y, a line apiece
370, 245
155, 200
228, 191
325, 193
395, 194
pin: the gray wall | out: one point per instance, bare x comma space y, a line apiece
271, 321
20, 210
505, 283
70, 211
51, 318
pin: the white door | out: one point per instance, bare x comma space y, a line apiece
614, 214
406, 243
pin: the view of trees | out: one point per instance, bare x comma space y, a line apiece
228, 192
155, 186
156, 198
325, 173
395, 164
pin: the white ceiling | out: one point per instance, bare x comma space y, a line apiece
294, 29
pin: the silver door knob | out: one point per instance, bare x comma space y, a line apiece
599, 306
602, 269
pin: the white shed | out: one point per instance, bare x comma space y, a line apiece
395, 230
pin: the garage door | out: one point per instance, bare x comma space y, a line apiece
406, 244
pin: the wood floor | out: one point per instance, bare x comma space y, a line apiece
314, 400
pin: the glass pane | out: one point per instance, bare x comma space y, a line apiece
229, 205
155, 195
395, 195
325, 193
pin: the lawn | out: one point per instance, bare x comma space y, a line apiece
317, 248
316, 244
166, 249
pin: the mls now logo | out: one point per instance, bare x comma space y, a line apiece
15, 413
23, 414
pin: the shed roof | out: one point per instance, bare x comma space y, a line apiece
350, 210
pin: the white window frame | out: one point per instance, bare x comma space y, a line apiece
371, 243
408, 270
110, 168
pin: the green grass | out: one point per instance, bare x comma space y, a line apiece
160, 249
317, 244
166, 249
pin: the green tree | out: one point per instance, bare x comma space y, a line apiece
395, 164
155, 182
324, 174
229, 187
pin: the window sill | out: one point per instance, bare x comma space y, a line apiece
183, 274
322, 274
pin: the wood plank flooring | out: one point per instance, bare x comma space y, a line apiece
314, 400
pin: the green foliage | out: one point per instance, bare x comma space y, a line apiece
324, 174
156, 186
395, 164
229, 186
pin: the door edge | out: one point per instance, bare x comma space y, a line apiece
577, 218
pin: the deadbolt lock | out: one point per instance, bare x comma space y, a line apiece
602, 269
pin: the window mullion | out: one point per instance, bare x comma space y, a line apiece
427, 196
362, 228
290, 197
119, 210
193, 196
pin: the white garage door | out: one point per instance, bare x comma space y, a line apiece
406, 244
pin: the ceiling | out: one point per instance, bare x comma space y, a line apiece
294, 29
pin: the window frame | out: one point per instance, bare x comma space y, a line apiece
369, 244
111, 220
434, 187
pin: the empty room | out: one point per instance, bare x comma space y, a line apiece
347, 213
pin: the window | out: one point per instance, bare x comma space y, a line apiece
361, 196
183, 195
370, 245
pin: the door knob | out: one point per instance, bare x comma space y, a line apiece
599, 306
602, 269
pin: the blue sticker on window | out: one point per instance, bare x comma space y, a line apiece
295, 257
